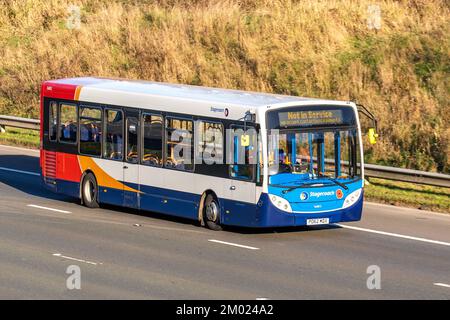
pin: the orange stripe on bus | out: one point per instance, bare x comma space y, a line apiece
77, 93
103, 179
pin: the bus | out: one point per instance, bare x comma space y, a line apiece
222, 157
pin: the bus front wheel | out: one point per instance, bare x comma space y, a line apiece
211, 213
89, 191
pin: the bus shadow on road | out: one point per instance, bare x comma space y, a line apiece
233, 229
26, 183
151, 215
281, 230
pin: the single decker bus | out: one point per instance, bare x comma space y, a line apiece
219, 156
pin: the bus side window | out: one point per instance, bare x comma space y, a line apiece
132, 155
243, 158
91, 131
180, 144
209, 142
68, 123
152, 140
52, 121
113, 149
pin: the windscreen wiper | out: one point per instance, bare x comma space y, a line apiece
290, 188
335, 181
284, 186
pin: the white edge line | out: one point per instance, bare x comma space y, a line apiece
18, 148
394, 235
442, 285
46, 208
75, 259
233, 244
21, 171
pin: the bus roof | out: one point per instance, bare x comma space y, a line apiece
181, 91
173, 98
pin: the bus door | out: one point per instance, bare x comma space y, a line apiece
239, 207
131, 163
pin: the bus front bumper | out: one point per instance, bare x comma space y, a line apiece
268, 215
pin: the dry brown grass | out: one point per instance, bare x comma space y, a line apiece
308, 48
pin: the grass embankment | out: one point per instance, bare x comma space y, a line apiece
408, 194
20, 137
310, 48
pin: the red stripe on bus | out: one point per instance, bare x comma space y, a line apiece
58, 90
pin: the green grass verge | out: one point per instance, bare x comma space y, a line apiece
408, 195
20, 137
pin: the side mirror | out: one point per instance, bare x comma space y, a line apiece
249, 117
372, 136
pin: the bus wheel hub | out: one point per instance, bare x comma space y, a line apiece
211, 211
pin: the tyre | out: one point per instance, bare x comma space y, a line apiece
211, 213
89, 191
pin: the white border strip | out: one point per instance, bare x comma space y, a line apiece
233, 244
442, 285
396, 235
75, 259
18, 148
21, 171
46, 208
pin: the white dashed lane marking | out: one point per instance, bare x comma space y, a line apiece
47, 208
233, 244
59, 255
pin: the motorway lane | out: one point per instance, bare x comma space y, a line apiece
148, 256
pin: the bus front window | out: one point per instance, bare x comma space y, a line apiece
312, 154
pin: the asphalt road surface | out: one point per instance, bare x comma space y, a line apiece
127, 254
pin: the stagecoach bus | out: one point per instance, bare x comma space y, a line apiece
222, 157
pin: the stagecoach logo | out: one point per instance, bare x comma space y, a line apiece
224, 110
339, 194
303, 196
321, 194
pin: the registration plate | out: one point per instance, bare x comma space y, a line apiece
315, 222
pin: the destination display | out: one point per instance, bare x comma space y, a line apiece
311, 118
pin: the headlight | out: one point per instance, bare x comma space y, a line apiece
352, 198
280, 203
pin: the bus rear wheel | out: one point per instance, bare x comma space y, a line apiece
211, 213
89, 191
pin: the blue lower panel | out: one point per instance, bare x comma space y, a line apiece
235, 213
184, 204
110, 196
181, 204
68, 188
131, 199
